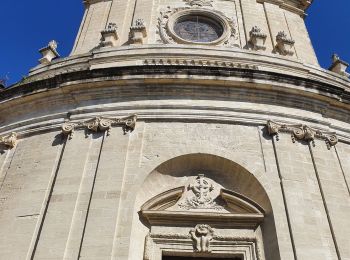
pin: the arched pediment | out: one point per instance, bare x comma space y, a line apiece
203, 201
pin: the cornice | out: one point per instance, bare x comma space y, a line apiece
296, 6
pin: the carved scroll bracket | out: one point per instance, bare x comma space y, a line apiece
9, 141
302, 133
100, 124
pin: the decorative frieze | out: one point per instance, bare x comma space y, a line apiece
9, 141
138, 32
49, 53
109, 36
302, 133
100, 124
257, 38
201, 235
284, 45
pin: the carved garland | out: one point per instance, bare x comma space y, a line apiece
302, 132
100, 124
164, 28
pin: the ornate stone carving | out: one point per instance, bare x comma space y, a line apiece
9, 141
302, 132
201, 235
257, 38
202, 197
169, 17
49, 53
199, 2
138, 32
339, 66
284, 44
100, 124
109, 36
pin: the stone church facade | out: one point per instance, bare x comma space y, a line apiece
182, 129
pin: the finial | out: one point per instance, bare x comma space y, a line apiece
109, 35
339, 66
49, 53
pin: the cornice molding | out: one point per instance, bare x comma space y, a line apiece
296, 6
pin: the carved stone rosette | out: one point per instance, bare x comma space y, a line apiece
100, 124
302, 132
9, 141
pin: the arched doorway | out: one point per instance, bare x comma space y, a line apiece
197, 194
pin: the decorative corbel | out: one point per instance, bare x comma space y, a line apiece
109, 36
302, 133
100, 124
49, 53
339, 66
138, 32
257, 38
284, 44
9, 141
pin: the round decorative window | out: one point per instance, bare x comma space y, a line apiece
197, 28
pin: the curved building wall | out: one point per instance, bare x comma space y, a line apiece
150, 150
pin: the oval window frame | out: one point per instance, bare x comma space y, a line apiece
220, 20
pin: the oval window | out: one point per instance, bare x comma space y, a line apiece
197, 28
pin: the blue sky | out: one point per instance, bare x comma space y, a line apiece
27, 26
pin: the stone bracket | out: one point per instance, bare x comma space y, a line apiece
302, 133
100, 124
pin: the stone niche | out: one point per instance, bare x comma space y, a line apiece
201, 218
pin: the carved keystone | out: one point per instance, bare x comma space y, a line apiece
201, 235
49, 53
